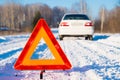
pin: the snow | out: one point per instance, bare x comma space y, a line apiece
91, 60
2, 38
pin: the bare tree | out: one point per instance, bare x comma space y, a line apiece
58, 13
102, 19
80, 7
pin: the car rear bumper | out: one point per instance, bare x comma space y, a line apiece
76, 31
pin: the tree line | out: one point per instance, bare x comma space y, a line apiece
110, 20
20, 17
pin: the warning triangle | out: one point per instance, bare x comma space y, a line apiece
42, 31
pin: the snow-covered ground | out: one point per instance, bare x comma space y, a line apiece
91, 60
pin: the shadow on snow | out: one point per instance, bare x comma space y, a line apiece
8, 72
98, 37
9, 54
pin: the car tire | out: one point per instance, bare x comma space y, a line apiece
89, 37
61, 37
86, 38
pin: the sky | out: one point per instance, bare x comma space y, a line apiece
93, 5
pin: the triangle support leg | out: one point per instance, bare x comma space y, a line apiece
41, 74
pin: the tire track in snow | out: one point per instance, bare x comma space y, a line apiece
11, 49
89, 52
9, 54
69, 51
70, 48
105, 60
78, 59
90, 64
12, 45
94, 59
113, 49
100, 49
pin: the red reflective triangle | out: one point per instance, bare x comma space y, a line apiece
25, 62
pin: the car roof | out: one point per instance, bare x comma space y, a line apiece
74, 14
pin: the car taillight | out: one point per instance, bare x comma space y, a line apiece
88, 24
64, 24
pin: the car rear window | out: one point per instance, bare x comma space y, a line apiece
76, 17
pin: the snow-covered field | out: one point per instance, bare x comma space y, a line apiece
91, 60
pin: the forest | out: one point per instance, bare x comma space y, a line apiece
15, 17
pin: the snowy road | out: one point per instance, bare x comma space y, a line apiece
91, 60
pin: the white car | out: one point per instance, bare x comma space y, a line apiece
76, 25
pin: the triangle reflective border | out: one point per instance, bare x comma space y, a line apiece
25, 62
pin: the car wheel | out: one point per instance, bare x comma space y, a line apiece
89, 37
61, 37
86, 38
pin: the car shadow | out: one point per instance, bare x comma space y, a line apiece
98, 37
